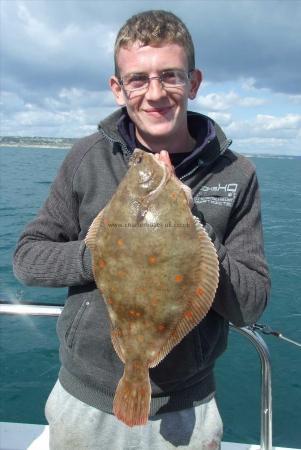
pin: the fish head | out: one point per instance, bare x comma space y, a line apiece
147, 174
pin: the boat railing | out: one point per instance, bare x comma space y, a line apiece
266, 384
34, 309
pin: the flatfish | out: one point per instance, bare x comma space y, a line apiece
157, 271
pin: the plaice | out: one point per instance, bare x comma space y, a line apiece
157, 270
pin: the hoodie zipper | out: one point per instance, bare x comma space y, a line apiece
200, 164
115, 141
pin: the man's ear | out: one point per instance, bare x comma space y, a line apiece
117, 91
196, 78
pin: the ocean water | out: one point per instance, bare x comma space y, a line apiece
29, 346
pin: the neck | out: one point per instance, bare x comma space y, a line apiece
183, 145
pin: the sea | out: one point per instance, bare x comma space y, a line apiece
29, 347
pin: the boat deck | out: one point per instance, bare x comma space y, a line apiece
20, 436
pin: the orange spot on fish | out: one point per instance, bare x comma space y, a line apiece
142, 391
152, 260
154, 301
188, 314
161, 327
140, 338
121, 273
178, 278
199, 291
110, 301
117, 332
120, 242
105, 220
173, 195
102, 263
134, 313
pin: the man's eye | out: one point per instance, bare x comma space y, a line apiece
136, 80
169, 77
174, 77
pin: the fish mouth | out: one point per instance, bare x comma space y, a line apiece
147, 178
165, 177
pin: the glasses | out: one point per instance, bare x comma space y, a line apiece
168, 79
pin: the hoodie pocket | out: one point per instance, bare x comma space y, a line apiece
72, 330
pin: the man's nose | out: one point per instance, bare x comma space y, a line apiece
155, 89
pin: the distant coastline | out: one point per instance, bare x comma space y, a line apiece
66, 143
36, 141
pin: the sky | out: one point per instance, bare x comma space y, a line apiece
57, 57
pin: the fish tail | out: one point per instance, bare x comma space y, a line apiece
132, 398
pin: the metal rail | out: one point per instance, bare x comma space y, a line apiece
266, 384
250, 333
30, 309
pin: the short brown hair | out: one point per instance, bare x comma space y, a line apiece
154, 27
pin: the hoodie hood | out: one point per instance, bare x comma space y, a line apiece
211, 141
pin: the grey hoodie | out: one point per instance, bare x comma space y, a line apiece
51, 252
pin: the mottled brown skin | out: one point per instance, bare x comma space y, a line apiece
157, 271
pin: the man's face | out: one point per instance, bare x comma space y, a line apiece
159, 113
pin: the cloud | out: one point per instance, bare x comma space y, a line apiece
295, 99
267, 126
221, 102
223, 119
267, 134
47, 45
264, 146
258, 39
272, 123
261, 133
37, 55
71, 113
57, 58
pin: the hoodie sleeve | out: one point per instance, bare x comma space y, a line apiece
49, 251
244, 278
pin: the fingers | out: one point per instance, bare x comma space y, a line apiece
164, 157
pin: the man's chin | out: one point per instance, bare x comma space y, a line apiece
160, 130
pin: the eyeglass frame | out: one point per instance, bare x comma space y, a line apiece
159, 77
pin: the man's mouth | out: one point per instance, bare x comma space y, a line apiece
157, 112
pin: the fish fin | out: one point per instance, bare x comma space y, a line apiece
132, 399
188, 194
92, 232
201, 301
116, 344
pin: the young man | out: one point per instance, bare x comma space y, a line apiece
154, 77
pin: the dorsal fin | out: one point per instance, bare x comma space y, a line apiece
200, 302
92, 232
116, 344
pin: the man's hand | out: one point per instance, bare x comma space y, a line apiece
164, 157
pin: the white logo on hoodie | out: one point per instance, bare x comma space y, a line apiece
221, 195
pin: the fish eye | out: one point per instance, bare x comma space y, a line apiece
137, 159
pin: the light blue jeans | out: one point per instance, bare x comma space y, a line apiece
73, 425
